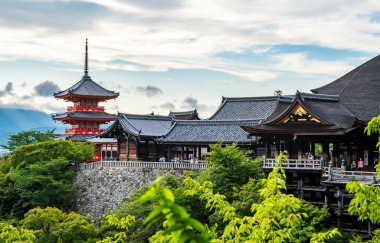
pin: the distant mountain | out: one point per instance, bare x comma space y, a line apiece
13, 121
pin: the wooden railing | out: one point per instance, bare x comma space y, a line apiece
84, 130
140, 164
346, 176
294, 164
86, 108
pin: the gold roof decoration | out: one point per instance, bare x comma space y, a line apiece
299, 114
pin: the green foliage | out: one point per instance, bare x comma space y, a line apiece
28, 137
373, 127
9, 233
230, 169
44, 151
122, 225
52, 225
366, 202
277, 218
324, 236
39, 174
43, 183
178, 225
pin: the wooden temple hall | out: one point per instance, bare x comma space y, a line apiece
324, 125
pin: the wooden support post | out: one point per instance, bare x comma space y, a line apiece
340, 199
146, 155
349, 156
299, 145
182, 153
128, 148
118, 148
169, 152
325, 151
369, 232
300, 185
267, 147
276, 146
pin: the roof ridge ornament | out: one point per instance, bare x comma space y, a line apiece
299, 96
86, 60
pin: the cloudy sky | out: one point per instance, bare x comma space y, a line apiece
180, 54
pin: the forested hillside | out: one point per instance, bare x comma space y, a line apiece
14, 120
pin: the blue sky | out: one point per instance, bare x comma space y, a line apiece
180, 54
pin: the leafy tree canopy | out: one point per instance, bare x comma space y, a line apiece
230, 169
40, 174
52, 225
28, 137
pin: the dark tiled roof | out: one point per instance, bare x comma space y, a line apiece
84, 115
206, 132
141, 125
87, 87
185, 115
327, 108
248, 108
358, 90
78, 137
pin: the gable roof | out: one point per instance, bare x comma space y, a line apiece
141, 125
185, 115
332, 116
87, 87
206, 132
358, 90
246, 108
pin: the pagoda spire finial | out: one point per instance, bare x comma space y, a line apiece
86, 61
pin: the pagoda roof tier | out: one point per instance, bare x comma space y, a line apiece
86, 88
307, 114
78, 137
84, 116
358, 90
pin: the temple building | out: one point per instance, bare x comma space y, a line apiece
328, 123
136, 135
85, 115
326, 129
184, 136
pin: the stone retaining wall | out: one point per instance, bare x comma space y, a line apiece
100, 190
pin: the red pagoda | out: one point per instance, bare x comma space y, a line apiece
85, 115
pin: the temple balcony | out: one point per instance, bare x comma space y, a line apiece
142, 165
89, 131
295, 164
85, 108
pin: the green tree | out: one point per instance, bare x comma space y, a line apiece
230, 169
178, 225
52, 225
28, 137
39, 174
278, 217
9, 233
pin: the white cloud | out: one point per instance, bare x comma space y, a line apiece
196, 31
300, 63
191, 34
